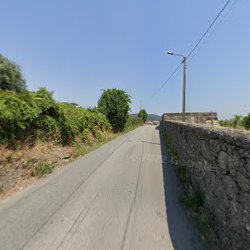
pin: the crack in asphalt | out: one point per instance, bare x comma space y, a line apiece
71, 194
133, 202
86, 209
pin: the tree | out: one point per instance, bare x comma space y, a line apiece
236, 121
115, 104
143, 114
246, 121
11, 76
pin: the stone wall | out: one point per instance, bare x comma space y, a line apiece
193, 117
218, 163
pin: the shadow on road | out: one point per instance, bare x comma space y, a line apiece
183, 233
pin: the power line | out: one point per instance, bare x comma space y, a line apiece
169, 78
209, 28
222, 19
198, 43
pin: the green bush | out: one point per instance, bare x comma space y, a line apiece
238, 121
134, 121
98, 134
115, 104
86, 136
143, 114
45, 102
48, 128
28, 113
193, 201
246, 121
75, 120
43, 170
25, 114
17, 113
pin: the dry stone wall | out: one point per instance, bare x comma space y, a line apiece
218, 163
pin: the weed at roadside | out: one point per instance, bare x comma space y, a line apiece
42, 170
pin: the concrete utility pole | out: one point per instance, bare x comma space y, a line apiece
184, 89
140, 105
184, 83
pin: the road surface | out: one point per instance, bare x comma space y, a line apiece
111, 199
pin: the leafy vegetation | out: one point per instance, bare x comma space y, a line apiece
193, 201
115, 104
77, 121
10, 76
28, 116
143, 114
238, 121
43, 170
134, 121
39, 115
37, 133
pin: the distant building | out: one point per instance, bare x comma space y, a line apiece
209, 118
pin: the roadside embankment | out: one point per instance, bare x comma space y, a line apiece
21, 167
215, 166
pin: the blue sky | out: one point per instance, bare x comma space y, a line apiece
76, 48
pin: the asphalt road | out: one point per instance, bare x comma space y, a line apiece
111, 199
